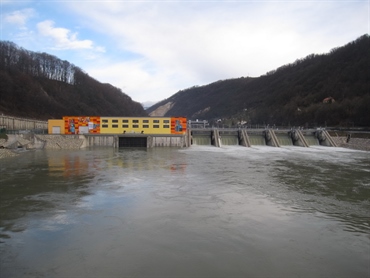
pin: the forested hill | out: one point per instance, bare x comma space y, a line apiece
41, 86
290, 95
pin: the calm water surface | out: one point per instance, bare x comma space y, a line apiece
196, 212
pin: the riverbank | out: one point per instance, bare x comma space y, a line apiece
4, 153
14, 144
60, 142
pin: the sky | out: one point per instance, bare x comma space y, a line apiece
152, 49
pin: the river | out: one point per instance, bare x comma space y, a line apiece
194, 212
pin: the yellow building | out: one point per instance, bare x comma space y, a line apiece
142, 125
117, 125
55, 126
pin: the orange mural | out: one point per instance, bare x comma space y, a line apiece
178, 125
81, 125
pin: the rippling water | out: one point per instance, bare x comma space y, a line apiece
196, 212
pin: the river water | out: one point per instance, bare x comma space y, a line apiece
196, 212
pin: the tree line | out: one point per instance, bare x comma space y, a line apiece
292, 94
36, 64
41, 86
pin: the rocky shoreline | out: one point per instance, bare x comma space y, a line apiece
60, 142
362, 144
14, 145
4, 153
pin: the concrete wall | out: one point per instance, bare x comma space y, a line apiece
43, 141
14, 123
166, 141
64, 141
100, 140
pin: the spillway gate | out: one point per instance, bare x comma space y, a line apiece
259, 137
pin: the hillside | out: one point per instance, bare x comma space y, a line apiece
41, 86
290, 95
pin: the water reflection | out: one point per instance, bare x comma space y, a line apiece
41, 181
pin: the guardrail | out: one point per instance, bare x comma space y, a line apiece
27, 131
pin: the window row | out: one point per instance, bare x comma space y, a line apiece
134, 126
135, 121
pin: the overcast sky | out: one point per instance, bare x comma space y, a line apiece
152, 49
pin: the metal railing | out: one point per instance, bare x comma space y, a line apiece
27, 131
15, 123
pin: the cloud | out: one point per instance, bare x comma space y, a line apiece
127, 75
19, 17
64, 39
180, 44
216, 39
186, 45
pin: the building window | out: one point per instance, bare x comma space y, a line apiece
115, 126
135, 126
156, 121
104, 126
166, 126
135, 121
155, 126
105, 121
145, 121
125, 126
145, 126
114, 121
124, 121
166, 121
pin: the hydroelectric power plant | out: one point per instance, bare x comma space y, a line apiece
75, 132
205, 202
149, 132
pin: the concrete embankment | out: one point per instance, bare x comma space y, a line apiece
15, 143
362, 144
20, 142
5, 152
60, 141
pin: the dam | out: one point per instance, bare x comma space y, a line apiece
260, 137
22, 133
192, 137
